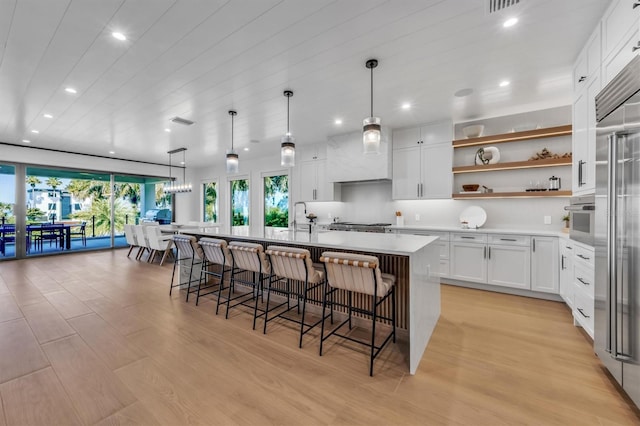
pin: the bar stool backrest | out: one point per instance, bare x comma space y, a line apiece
354, 272
130, 235
293, 263
187, 247
215, 251
249, 256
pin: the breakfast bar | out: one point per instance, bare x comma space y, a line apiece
414, 260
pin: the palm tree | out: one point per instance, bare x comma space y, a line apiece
239, 202
53, 182
210, 196
33, 181
6, 211
100, 211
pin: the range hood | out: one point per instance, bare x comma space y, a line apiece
347, 163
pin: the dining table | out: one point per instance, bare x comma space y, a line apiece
63, 230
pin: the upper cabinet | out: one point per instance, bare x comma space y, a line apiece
620, 37
422, 161
311, 173
350, 164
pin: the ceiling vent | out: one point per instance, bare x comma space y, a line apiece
499, 5
183, 121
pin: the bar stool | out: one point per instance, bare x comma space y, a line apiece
217, 253
356, 273
289, 263
248, 257
189, 255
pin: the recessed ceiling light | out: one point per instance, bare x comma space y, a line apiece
35, 131
26, 141
167, 130
70, 90
48, 116
112, 152
510, 22
338, 121
504, 83
406, 105
119, 36
246, 149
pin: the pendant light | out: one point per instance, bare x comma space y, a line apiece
371, 128
288, 147
173, 187
232, 156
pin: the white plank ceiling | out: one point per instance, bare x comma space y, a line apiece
199, 58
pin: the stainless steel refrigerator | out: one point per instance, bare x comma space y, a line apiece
617, 229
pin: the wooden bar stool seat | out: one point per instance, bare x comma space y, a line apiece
356, 273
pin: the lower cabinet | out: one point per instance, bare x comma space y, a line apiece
442, 243
469, 261
583, 286
509, 266
566, 272
544, 264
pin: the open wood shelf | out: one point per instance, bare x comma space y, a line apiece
533, 164
523, 194
514, 137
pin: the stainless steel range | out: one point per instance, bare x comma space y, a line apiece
359, 227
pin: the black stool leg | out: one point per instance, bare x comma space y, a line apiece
350, 306
324, 305
373, 335
393, 311
220, 289
304, 310
189, 285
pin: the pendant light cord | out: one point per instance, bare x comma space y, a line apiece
170, 179
288, 132
232, 131
371, 91
184, 168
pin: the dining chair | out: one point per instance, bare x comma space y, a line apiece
158, 243
130, 236
80, 231
143, 241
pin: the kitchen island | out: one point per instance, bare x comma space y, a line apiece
414, 260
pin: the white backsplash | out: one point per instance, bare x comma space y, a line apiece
371, 202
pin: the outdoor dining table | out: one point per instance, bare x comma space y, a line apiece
64, 229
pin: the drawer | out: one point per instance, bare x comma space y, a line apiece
444, 236
583, 277
444, 268
510, 240
584, 255
469, 237
444, 249
583, 311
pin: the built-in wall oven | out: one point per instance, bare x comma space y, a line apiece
582, 219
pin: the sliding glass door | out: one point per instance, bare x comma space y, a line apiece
7, 214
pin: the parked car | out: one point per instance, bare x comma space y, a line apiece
162, 216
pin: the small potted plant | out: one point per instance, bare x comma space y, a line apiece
566, 219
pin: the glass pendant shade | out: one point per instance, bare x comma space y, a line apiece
232, 161
288, 152
371, 135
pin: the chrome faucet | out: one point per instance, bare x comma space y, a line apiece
295, 213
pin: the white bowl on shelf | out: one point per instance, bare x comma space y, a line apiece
473, 131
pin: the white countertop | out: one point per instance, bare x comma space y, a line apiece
390, 243
537, 232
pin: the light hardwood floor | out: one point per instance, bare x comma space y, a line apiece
94, 338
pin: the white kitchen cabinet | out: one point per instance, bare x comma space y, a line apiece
442, 243
422, 172
617, 21
584, 138
508, 261
566, 272
429, 134
313, 182
350, 164
469, 257
544, 264
622, 54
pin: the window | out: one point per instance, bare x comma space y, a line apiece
276, 203
210, 202
240, 207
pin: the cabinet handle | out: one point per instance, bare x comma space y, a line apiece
422, 190
568, 248
534, 244
636, 4
582, 78
485, 252
582, 281
580, 173
489, 252
468, 238
583, 257
418, 190
562, 262
508, 239
582, 313
634, 48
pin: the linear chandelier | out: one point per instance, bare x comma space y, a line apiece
173, 187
